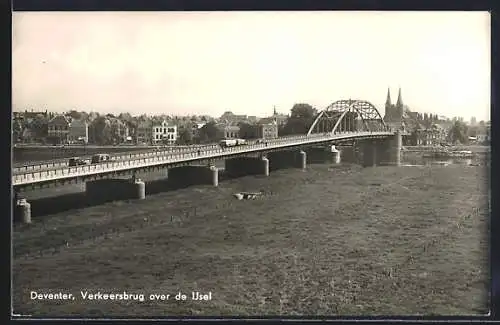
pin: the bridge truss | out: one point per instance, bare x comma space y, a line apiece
348, 116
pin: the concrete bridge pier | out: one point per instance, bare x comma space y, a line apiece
390, 150
22, 210
382, 152
334, 154
215, 175
264, 165
193, 175
303, 159
105, 190
243, 166
396, 146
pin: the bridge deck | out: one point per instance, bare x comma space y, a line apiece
33, 177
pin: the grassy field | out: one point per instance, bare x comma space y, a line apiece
330, 240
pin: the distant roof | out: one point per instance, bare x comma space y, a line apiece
267, 120
59, 120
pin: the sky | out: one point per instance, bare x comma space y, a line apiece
185, 63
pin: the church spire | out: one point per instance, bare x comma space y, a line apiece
388, 101
399, 103
274, 111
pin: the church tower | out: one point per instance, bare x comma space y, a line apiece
388, 106
399, 105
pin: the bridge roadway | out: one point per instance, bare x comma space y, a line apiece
20, 168
62, 173
63, 162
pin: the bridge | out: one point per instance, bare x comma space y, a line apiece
354, 121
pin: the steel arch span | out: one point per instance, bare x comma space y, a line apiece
348, 116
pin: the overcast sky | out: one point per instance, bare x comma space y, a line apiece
246, 62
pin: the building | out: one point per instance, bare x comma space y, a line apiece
230, 118
78, 131
482, 138
393, 116
268, 131
58, 129
268, 127
164, 132
144, 132
225, 131
120, 130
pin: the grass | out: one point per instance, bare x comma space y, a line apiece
331, 240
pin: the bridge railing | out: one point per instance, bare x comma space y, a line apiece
143, 154
133, 155
166, 158
119, 156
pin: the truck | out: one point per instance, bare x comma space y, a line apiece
77, 161
232, 142
101, 157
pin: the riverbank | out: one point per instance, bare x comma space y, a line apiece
473, 148
346, 240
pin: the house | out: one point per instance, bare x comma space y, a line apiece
164, 132
58, 129
225, 131
268, 131
482, 138
78, 131
120, 130
144, 132
429, 137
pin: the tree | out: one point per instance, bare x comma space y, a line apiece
301, 118
40, 126
102, 130
125, 117
74, 114
302, 110
117, 129
208, 133
458, 132
17, 130
185, 137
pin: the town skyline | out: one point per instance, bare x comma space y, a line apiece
166, 63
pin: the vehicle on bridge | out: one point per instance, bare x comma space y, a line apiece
232, 142
99, 158
77, 161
